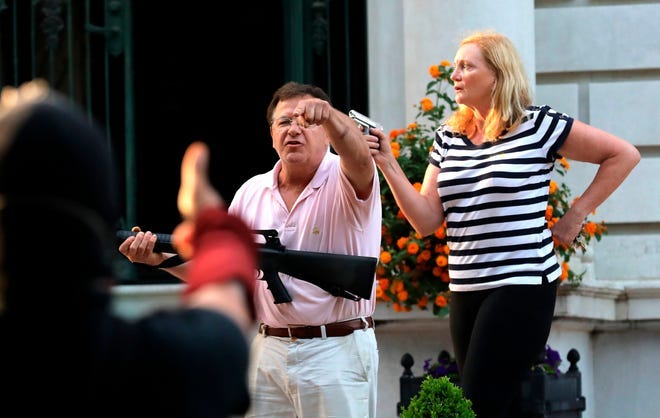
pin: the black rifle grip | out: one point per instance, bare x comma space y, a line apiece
163, 244
276, 287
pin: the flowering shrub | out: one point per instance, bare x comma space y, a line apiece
412, 270
445, 365
551, 361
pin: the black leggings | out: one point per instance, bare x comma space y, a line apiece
497, 336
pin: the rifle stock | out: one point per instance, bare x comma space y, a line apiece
347, 276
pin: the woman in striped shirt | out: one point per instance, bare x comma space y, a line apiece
488, 177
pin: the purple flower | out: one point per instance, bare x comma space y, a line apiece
552, 359
445, 365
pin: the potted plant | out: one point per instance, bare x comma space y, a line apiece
438, 397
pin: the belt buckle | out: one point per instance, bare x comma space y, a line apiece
291, 336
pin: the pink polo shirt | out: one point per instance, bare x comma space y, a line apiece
327, 217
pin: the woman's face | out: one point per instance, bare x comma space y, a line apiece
474, 80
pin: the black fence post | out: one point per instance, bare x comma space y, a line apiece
408, 384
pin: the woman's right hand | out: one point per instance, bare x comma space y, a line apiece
380, 147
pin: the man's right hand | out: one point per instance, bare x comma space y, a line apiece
139, 248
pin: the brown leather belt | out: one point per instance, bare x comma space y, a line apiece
336, 329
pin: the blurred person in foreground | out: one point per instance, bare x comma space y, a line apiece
63, 350
488, 178
315, 356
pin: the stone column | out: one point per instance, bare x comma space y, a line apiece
406, 37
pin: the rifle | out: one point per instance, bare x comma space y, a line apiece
348, 276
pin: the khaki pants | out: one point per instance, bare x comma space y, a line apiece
314, 378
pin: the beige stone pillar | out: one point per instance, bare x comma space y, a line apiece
405, 37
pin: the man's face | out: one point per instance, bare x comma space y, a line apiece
295, 141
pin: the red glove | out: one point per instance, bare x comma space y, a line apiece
224, 250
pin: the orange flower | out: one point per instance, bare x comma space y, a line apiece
425, 255
445, 63
413, 248
395, 132
548, 212
441, 261
440, 233
396, 149
417, 185
401, 242
564, 271
553, 187
445, 276
402, 295
422, 302
426, 104
564, 163
412, 126
441, 301
434, 70
385, 257
591, 228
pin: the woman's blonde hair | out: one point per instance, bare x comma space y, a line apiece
511, 94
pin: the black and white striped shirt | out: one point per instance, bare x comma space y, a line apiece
495, 196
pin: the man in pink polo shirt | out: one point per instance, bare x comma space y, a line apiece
317, 355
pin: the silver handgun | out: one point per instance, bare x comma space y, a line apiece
364, 122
